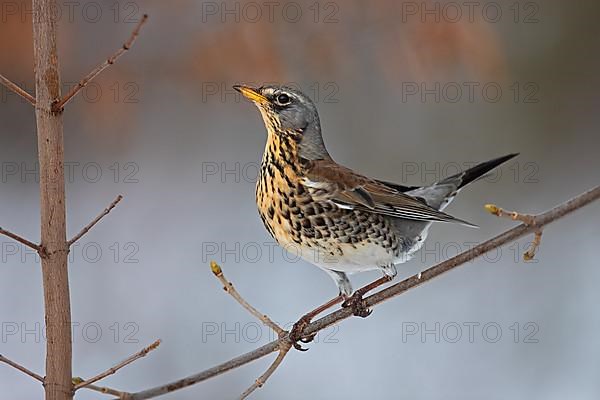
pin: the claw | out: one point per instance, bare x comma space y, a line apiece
296, 334
362, 311
358, 305
308, 339
299, 347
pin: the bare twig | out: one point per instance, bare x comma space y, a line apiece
285, 348
112, 370
336, 317
76, 381
107, 390
59, 105
515, 216
20, 239
209, 373
526, 219
17, 89
101, 389
228, 287
95, 221
530, 253
21, 368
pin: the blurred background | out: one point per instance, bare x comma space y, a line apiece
408, 92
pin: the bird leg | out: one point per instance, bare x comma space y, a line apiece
356, 300
298, 328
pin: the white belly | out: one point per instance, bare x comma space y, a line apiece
353, 258
350, 259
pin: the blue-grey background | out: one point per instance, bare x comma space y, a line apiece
163, 128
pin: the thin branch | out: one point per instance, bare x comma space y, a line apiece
76, 381
526, 219
20, 239
514, 215
95, 221
112, 370
101, 389
59, 105
263, 378
335, 317
530, 253
107, 391
228, 287
17, 89
209, 373
21, 368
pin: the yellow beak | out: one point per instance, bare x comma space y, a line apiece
251, 94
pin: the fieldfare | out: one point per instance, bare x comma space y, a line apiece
333, 217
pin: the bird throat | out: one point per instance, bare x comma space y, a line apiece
279, 188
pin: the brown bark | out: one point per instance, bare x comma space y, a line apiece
54, 249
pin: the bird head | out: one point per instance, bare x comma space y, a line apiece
290, 113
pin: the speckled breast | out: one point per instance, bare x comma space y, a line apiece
318, 230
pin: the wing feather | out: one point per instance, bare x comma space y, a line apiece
354, 191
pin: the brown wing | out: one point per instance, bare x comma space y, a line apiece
354, 191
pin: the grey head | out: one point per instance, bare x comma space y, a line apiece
288, 111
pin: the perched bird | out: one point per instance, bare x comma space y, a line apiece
335, 218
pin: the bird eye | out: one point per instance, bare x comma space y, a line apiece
283, 99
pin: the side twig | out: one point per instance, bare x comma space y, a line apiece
107, 391
17, 89
228, 287
59, 105
20, 239
21, 368
285, 348
336, 317
530, 253
526, 219
89, 226
39, 378
112, 370
100, 389
515, 216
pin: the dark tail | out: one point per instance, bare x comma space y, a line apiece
476, 172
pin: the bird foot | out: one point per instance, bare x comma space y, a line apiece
297, 333
358, 305
297, 336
